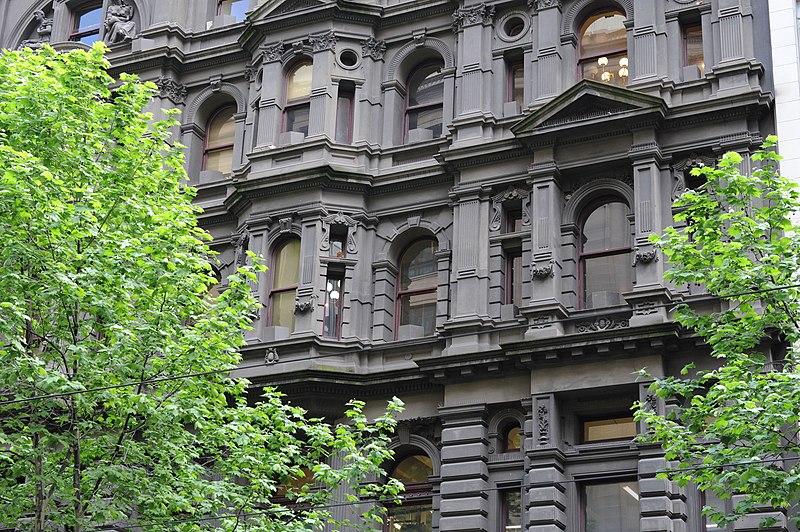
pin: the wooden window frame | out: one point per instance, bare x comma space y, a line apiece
221, 147
424, 107
283, 289
400, 294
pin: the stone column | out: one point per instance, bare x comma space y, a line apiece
465, 454
394, 97
551, 71
322, 113
384, 276
269, 107
368, 116
647, 39
307, 286
547, 500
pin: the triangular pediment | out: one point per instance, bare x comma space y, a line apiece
274, 8
588, 102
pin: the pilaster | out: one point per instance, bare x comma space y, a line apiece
549, 59
547, 499
269, 107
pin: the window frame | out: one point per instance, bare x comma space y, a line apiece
601, 417
400, 294
504, 507
511, 258
337, 333
211, 149
218, 11
598, 482
279, 246
345, 92
297, 103
516, 65
587, 211
417, 108
511, 425
685, 27
75, 35
418, 493
582, 58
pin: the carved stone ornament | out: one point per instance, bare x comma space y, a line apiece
538, 5
273, 52
342, 220
285, 224
44, 28
602, 324
241, 243
541, 321
543, 423
302, 307
543, 272
118, 24
679, 171
271, 356
250, 74
374, 48
652, 401
469, 16
171, 89
645, 257
645, 308
510, 194
324, 41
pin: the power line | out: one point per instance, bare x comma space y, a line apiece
409, 343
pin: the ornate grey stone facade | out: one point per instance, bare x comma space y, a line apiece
462, 130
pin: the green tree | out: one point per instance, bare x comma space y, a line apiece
104, 280
740, 243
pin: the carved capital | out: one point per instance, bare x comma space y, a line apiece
171, 89
645, 257
323, 41
273, 52
538, 5
469, 16
301, 307
374, 48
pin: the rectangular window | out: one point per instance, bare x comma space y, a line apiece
608, 429
514, 277
512, 510
513, 220
86, 25
332, 321
693, 46
344, 112
410, 518
612, 507
516, 83
297, 118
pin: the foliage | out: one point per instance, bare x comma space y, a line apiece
739, 241
104, 280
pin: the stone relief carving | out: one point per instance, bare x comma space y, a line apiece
324, 41
250, 74
644, 257
537, 5
43, 29
679, 170
645, 308
625, 178
468, 16
374, 48
543, 272
602, 324
273, 52
303, 306
241, 243
169, 88
543, 424
542, 321
510, 194
271, 356
285, 224
119, 25
342, 220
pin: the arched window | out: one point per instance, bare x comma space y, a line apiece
218, 150
605, 248
86, 23
512, 438
298, 94
416, 295
416, 513
424, 101
604, 48
285, 272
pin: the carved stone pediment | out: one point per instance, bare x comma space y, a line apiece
273, 8
589, 102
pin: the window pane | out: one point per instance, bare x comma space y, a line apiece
237, 8
605, 279
426, 86
693, 37
420, 310
413, 518
414, 469
513, 439
512, 511
286, 267
621, 428
606, 228
518, 84
220, 130
612, 507
610, 72
418, 266
90, 20
299, 82
344, 116
297, 119
219, 160
514, 272
604, 33
333, 306
283, 309
430, 118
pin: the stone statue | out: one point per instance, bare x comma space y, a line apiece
44, 27
119, 25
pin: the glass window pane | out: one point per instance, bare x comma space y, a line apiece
513, 439
621, 428
220, 130
612, 507
606, 228
430, 118
693, 37
344, 117
299, 82
333, 306
286, 266
426, 86
420, 310
418, 266
90, 39
414, 469
410, 518
297, 119
518, 85
236, 8
219, 160
283, 309
512, 511
610, 72
604, 33
90, 20
605, 279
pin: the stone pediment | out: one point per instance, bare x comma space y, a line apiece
274, 8
588, 102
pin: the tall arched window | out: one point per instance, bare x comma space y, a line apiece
416, 295
298, 94
285, 272
605, 248
218, 150
416, 513
425, 99
604, 48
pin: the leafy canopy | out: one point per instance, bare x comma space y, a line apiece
104, 280
739, 241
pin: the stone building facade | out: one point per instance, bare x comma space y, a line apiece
454, 199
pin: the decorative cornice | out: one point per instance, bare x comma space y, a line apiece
171, 89
374, 48
469, 16
323, 41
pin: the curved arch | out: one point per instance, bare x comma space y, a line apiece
212, 97
420, 444
417, 48
500, 420
580, 9
590, 191
407, 232
277, 235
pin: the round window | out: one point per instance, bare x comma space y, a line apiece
514, 27
348, 58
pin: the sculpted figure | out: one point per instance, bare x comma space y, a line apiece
119, 24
